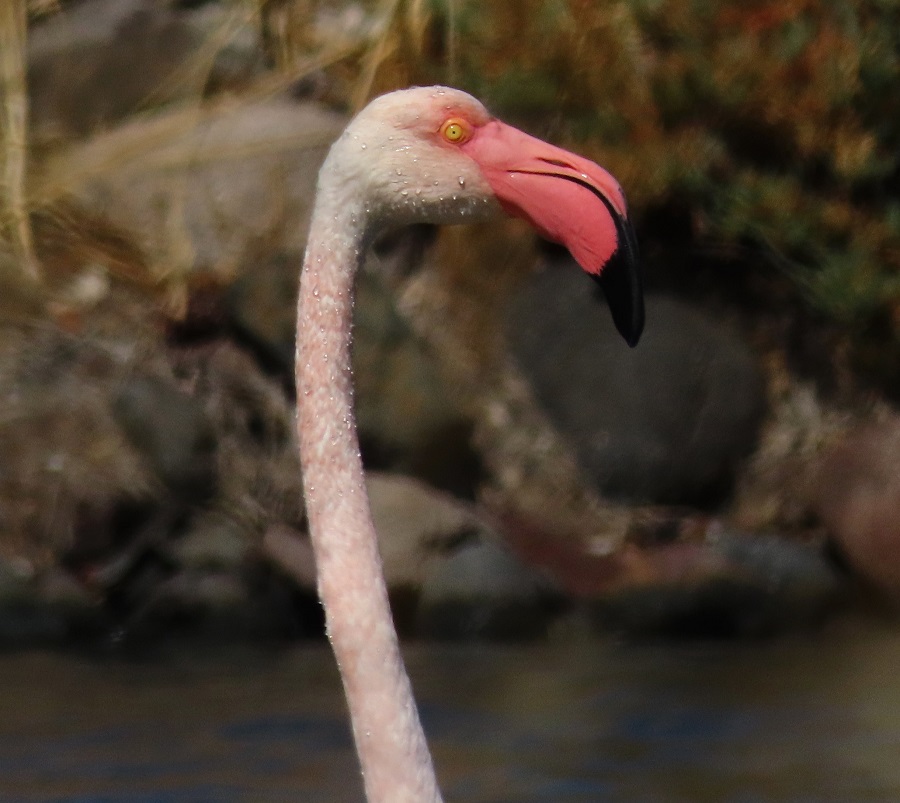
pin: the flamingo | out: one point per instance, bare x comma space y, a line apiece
426, 154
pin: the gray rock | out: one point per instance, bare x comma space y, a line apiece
214, 542
407, 417
739, 586
211, 605
46, 608
409, 420
171, 430
416, 526
481, 591
17, 581
205, 604
857, 498
291, 551
97, 61
68, 471
261, 306
60, 589
203, 189
666, 422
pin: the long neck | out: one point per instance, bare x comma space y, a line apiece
395, 761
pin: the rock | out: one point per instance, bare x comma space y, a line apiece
216, 606
214, 542
291, 551
481, 591
406, 414
667, 422
416, 525
254, 425
261, 307
445, 573
171, 430
409, 420
204, 604
16, 580
49, 608
773, 490
97, 61
732, 586
684, 575
203, 189
69, 476
857, 498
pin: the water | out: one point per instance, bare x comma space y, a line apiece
810, 719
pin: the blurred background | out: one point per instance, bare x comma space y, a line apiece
667, 573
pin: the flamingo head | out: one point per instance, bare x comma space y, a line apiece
434, 154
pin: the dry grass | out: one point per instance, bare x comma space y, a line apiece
361, 58
157, 143
14, 120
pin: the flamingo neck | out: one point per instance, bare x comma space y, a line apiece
393, 754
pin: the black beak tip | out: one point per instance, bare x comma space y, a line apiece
632, 335
622, 285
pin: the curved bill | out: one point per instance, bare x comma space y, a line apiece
572, 201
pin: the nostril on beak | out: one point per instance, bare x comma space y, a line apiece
556, 163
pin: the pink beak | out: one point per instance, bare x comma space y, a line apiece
569, 200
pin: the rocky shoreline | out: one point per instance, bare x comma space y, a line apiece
537, 481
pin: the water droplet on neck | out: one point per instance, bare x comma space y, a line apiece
462, 181
363, 145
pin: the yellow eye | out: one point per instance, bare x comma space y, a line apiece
455, 130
